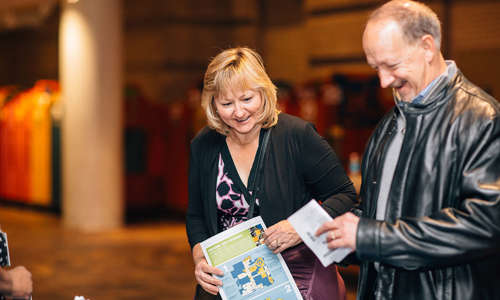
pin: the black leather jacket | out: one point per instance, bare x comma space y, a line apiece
441, 234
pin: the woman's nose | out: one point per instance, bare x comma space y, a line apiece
238, 110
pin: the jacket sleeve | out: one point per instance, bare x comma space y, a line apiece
195, 218
324, 174
453, 235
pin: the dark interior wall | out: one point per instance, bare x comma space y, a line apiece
283, 41
482, 67
475, 28
30, 53
327, 39
168, 44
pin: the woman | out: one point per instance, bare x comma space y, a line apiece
297, 165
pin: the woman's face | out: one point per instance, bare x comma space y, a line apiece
240, 110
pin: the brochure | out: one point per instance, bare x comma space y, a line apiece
306, 221
251, 270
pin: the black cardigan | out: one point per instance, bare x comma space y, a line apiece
298, 165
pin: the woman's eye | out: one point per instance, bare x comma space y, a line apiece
226, 104
247, 99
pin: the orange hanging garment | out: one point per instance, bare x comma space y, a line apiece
14, 145
7, 158
4, 117
44, 95
23, 134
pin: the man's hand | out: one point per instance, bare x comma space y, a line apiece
341, 231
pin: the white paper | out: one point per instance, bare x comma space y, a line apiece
306, 222
251, 270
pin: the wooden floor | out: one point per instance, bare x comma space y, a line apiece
145, 261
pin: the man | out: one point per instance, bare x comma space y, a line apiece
430, 198
16, 283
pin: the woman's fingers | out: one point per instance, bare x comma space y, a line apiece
288, 240
270, 234
212, 289
203, 274
208, 278
281, 236
212, 270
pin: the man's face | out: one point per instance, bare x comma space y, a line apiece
400, 65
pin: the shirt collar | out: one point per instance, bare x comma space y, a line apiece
451, 70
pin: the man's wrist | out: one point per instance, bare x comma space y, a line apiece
367, 235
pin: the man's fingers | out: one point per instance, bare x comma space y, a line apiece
332, 235
321, 230
329, 225
337, 243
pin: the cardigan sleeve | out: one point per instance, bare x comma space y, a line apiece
196, 228
324, 174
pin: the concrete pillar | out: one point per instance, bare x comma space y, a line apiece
90, 62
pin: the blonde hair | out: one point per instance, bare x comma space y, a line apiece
238, 69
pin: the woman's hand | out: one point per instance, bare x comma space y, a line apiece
281, 236
203, 272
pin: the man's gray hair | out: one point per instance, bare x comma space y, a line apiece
416, 19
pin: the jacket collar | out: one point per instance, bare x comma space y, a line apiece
440, 93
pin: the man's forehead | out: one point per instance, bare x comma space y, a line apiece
388, 53
384, 27
384, 36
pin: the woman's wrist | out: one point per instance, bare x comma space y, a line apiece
197, 254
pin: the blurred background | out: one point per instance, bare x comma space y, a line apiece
100, 98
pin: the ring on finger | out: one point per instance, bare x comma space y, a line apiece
332, 235
276, 243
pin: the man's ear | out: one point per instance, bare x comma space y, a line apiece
429, 47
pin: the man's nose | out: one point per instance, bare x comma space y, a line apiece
386, 78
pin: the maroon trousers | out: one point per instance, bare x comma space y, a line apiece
314, 281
